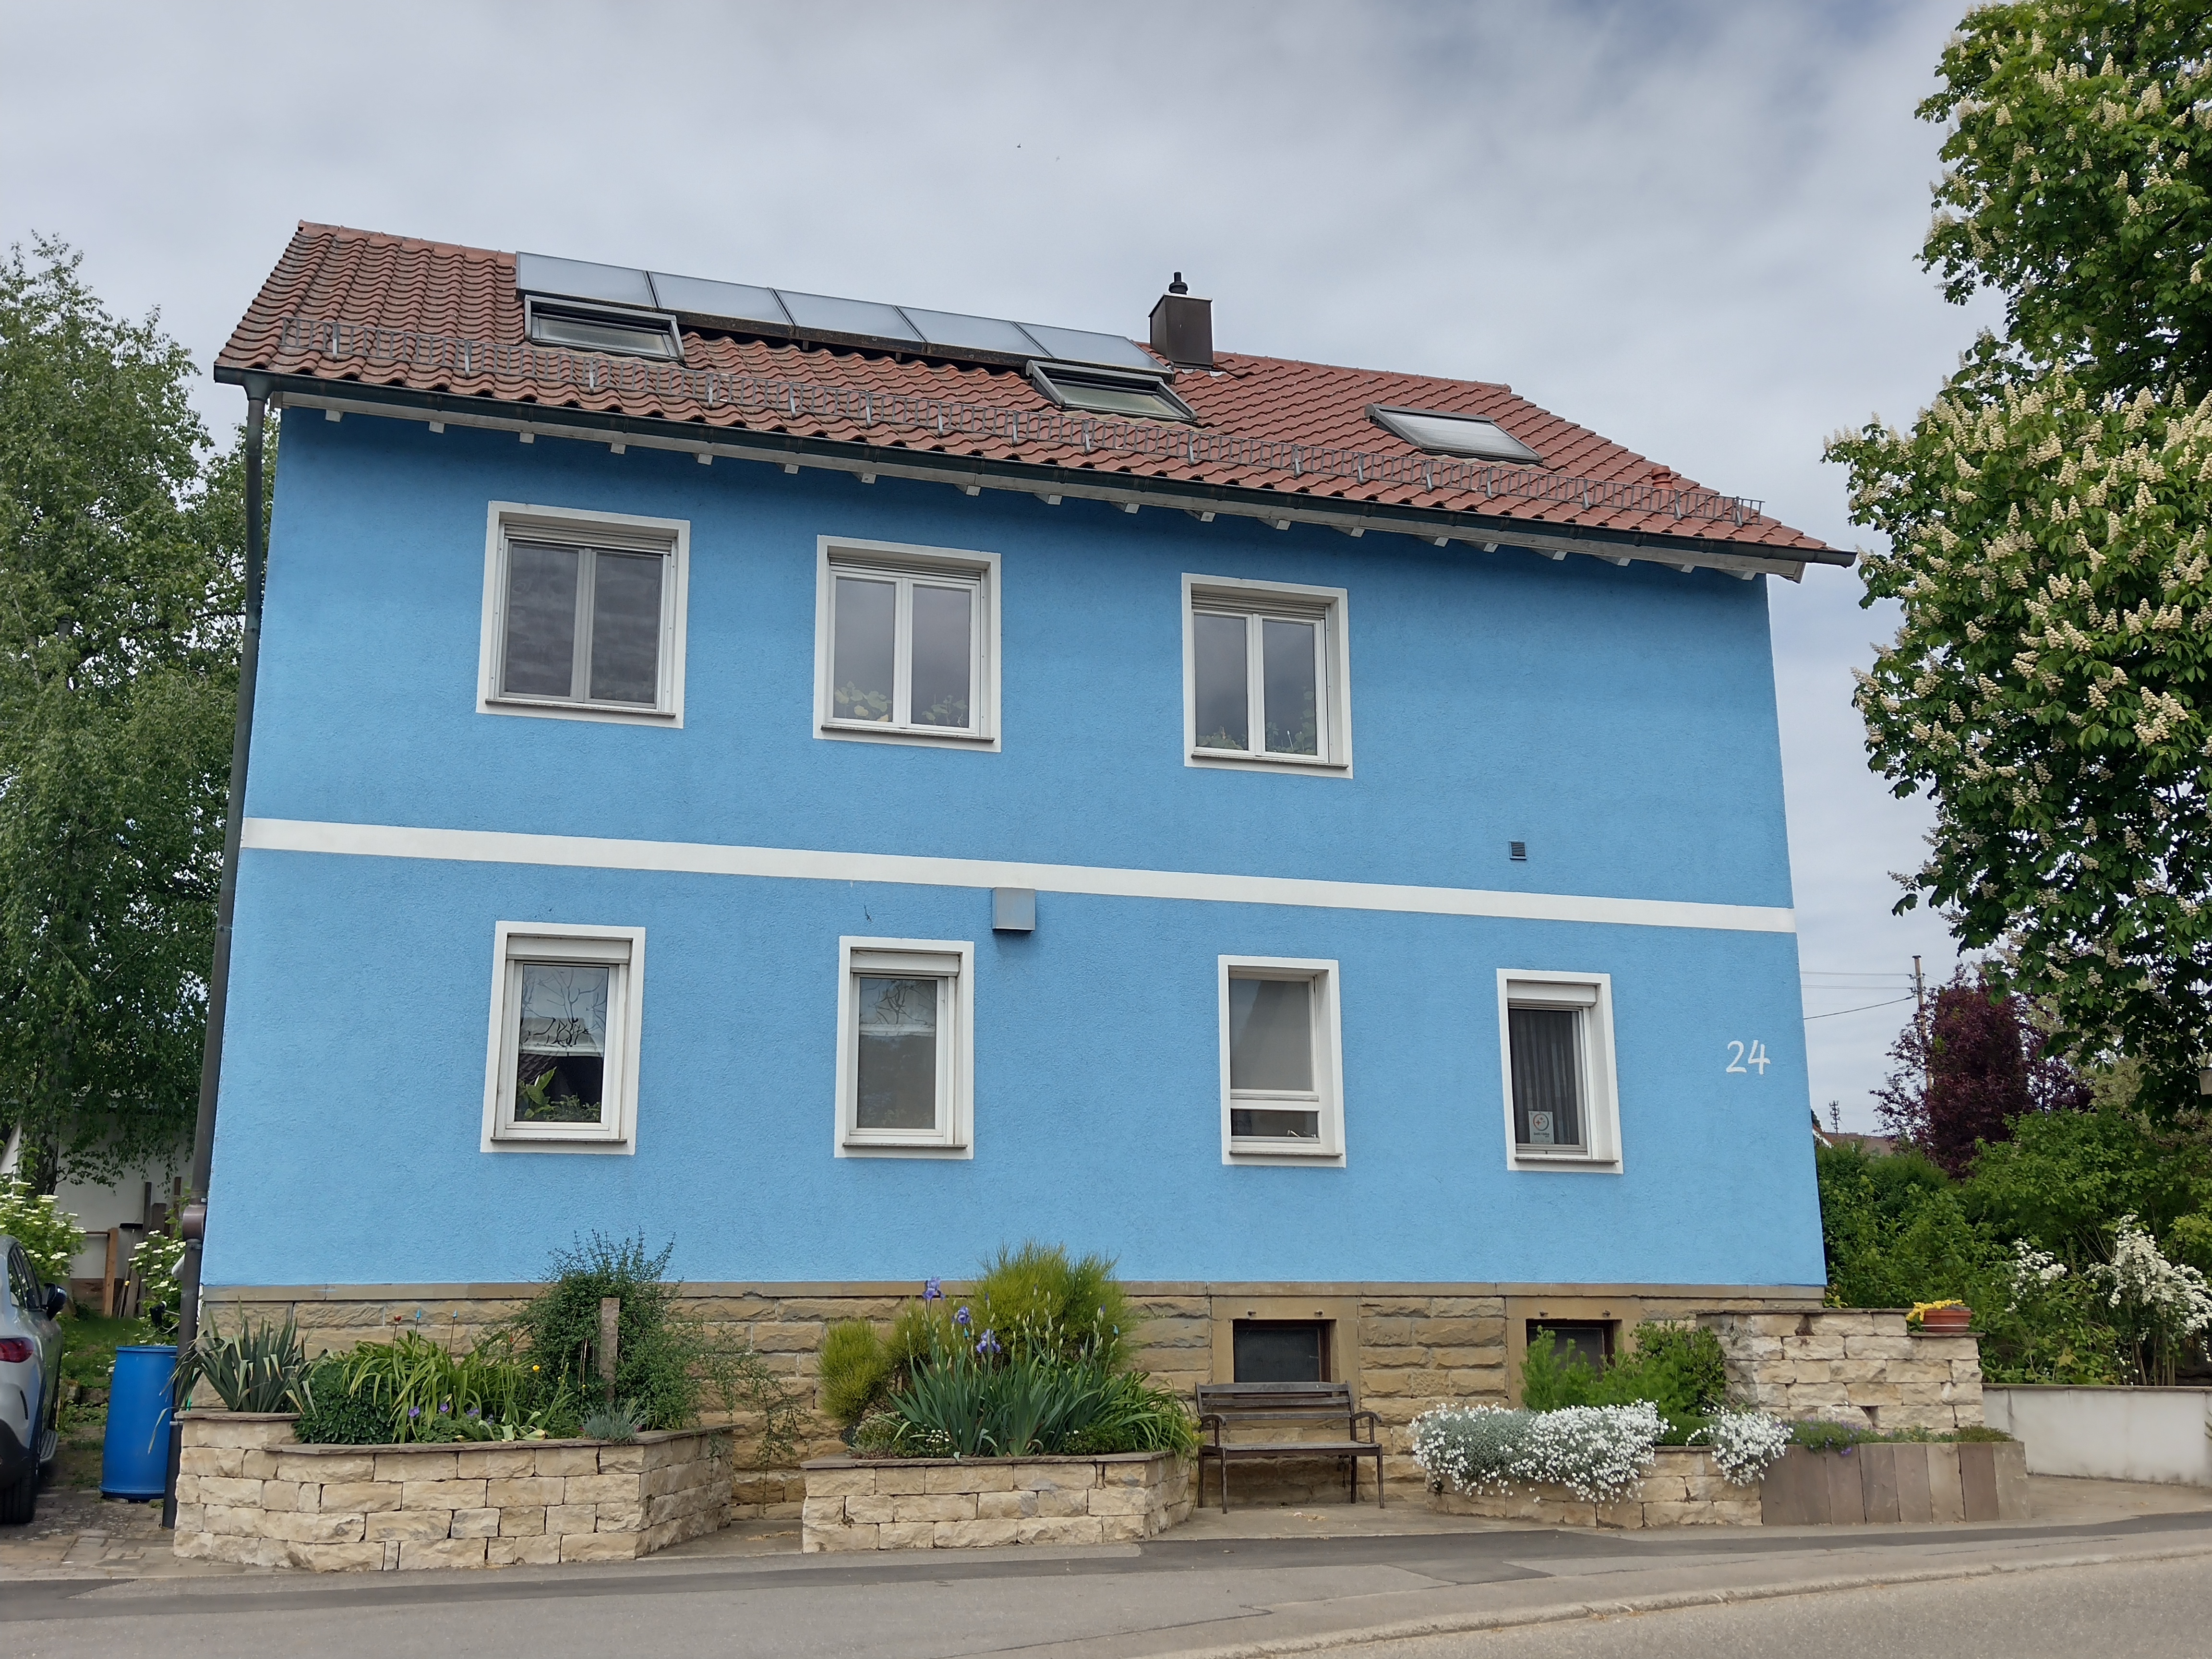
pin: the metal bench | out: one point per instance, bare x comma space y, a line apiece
1223, 1406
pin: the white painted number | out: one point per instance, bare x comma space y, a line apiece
1749, 1059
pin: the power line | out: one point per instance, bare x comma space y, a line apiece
1838, 1013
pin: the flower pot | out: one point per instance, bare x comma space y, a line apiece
1950, 1321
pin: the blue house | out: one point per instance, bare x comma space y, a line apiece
846, 787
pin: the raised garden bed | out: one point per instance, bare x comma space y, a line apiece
247, 1492
945, 1503
1905, 1481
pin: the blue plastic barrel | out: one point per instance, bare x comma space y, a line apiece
134, 1458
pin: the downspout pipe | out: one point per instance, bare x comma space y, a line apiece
193, 1221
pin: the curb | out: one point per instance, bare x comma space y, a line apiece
1410, 1629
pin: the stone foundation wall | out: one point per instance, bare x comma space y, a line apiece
1851, 1366
932, 1503
1682, 1488
1407, 1347
248, 1493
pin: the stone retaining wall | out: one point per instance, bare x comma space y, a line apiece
1409, 1347
936, 1503
1851, 1366
1682, 1488
248, 1493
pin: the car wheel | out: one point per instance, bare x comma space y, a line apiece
21, 1501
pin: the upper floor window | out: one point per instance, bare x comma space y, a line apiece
1109, 391
907, 645
604, 328
1265, 673
1561, 1102
583, 615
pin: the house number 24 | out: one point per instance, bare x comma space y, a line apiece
1748, 1058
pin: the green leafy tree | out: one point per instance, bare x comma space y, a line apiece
121, 537
2047, 523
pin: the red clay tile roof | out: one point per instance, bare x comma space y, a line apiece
378, 310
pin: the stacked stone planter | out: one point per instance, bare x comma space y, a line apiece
1852, 1365
247, 1492
1681, 1489
944, 1503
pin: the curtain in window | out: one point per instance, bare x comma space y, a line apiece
1547, 1076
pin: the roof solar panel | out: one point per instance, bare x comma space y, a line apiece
580, 279
738, 301
964, 333
820, 313
1076, 345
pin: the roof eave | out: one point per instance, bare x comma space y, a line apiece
1131, 491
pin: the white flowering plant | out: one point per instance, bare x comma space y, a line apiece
1597, 1452
47, 1232
1745, 1444
2162, 1309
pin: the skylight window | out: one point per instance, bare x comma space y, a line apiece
1443, 434
1103, 391
604, 328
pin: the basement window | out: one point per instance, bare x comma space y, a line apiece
1443, 434
1104, 392
604, 328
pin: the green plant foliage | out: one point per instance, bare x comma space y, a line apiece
1819, 1435
618, 1423
336, 1416
666, 1365
429, 1392
121, 537
261, 1367
857, 1368
1680, 1369
2062, 1178
47, 1232
1040, 1301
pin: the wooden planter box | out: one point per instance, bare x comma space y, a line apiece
949, 1502
1902, 1481
247, 1492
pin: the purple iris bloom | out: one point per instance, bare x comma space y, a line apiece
988, 1345
414, 1410
933, 1290
960, 1319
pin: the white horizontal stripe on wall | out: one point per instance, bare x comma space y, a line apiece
704, 859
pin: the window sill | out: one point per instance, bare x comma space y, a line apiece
1524, 1157
510, 1141
1227, 760
563, 708
903, 1149
920, 737
1287, 1154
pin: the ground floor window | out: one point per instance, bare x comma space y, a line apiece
1282, 1350
562, 1066
1588, 1340
905, 1036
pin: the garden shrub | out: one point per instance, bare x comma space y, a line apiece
1680, 1369
47, 1232
333, 1415
857, 1368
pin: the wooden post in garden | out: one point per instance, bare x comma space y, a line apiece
609, 1330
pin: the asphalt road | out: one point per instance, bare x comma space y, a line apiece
1217, 1596
2150, 1610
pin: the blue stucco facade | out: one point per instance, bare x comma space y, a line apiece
1619, 722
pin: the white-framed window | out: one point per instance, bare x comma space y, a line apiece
583, 615
906, 1046
906, 644
1282, 1066
561, 1074
1562, 1094
1266, 676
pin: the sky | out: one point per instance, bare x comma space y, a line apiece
1693, 227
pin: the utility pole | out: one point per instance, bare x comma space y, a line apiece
1920, 1022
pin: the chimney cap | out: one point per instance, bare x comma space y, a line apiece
1178, 286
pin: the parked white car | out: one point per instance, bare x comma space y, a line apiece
30, 1383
